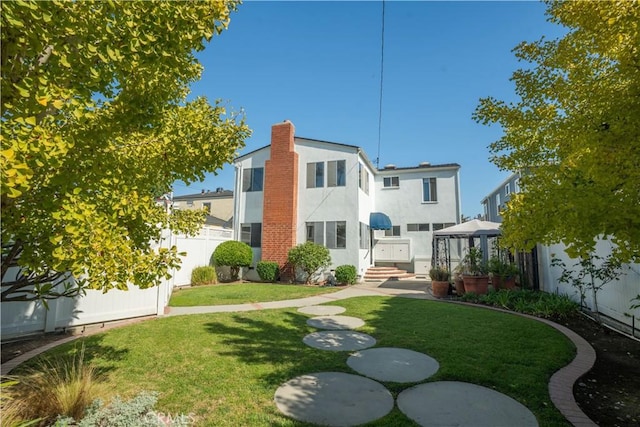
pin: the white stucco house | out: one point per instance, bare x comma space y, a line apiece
299, 189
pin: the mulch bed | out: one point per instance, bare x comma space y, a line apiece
609, 393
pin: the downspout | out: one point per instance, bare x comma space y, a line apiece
237, 196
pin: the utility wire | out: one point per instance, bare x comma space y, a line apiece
381, 85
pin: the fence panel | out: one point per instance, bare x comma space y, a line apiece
24, 318
614, 299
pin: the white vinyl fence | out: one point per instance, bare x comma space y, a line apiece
614, 299
24, 318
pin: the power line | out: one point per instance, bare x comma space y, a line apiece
381, 85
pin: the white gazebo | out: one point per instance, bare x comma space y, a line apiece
470, 231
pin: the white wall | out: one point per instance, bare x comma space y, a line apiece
613, 299
330, 203
404, 204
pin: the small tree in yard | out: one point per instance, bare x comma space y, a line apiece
234, 255
309, 257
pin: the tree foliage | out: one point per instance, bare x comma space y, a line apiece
309, 257
96, 126
575, 134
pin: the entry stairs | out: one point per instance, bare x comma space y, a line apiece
380, 274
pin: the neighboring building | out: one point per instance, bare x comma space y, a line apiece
497, 199
219, 203
298, 189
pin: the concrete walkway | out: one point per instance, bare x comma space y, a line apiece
367, 289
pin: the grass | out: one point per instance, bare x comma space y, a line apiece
240, 293
224, 368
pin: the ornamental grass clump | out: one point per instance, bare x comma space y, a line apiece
205, 275
62, 386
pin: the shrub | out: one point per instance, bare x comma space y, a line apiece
536, 303
205, 275
63, 386
346, 274
135, 412
233, 254
309, 257
268, 271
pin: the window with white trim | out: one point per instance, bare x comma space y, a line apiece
315, 232
391, 182
253, 179
363, 178
418, 227
315, 175
251, 234
336, 234
507, 189
429, 190
336, 173
393, 232
498, 203
365, 236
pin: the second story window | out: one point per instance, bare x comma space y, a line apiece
507, 189
336, 173
429, 190
253, 179
315, 175
391, 182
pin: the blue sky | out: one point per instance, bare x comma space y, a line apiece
318, 65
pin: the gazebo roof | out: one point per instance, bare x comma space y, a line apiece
473, 228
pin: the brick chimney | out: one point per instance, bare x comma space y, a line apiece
280, 209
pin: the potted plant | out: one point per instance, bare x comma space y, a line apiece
503, 274
475, 272
439, 281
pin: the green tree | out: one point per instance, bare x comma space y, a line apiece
233, 254
309, 257
95, 127
574, 133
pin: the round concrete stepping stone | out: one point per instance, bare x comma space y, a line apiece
339, 340
393, 364
452, 403
322, 310
333, 399
335, 323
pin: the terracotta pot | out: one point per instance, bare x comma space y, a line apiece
502, 282
439, 289
479, 285
459, 283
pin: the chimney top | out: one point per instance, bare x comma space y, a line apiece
390, 166
424, 164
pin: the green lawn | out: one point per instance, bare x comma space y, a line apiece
225, 367
240, 293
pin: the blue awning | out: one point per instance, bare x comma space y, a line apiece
379, 221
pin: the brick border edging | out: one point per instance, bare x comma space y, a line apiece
562, 381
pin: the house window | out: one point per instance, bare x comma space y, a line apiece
207, 206
336, 173
429, 190
418, 227
498, 203
507, 189
486, 210
251, 234
336, 234
391, 182
315, 175
189, 202
394, 232
516, 185
363, 178
315, 232
365, 233
252, 179
441, 225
